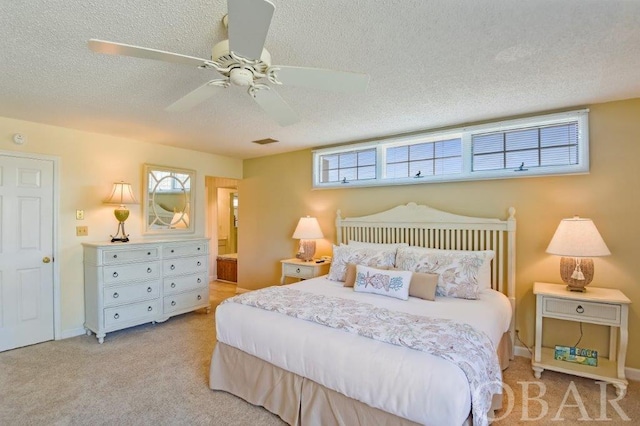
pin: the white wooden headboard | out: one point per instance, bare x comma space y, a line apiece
424, 226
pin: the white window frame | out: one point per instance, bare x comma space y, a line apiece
465, 134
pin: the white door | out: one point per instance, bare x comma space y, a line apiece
26, 249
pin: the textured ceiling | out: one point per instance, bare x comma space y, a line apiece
432, 64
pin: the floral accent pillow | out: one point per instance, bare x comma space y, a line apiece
384, 282
344, 254
462, 273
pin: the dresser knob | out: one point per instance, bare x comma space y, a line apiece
173, 285
148, 270
149, 309
148, 289
199, 263
298, 270
116, 316
115, 275
116, 295
199, 280
199, 297
198, 248
172, 250
115, 256
580, 309
173, 303
172, 267
148, 253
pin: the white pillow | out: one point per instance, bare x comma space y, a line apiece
360, 244
344, 254
384, 282
463, 273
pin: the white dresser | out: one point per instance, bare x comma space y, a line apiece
138, 282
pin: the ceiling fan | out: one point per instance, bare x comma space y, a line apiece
242, 60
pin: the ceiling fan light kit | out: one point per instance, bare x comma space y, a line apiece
243, 61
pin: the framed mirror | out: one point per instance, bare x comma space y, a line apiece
169, 201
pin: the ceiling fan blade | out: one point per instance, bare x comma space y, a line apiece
197, 96
317, 78
111, 48
249, 22
271, 102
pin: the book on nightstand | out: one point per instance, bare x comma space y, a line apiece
577, 355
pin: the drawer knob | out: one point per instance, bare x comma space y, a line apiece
298, 270
149, 309
580, 309
199, 263
172, 267
115, 275
116, 316
148, 289
172, 250
198, 248
199, 297
115, 256
148, 253
173, 285
148, 270
199, 280
116, 295
173, 303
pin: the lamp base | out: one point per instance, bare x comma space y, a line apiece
577, 273
306, 250
120, 236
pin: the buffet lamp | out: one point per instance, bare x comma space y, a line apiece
307, 231
577, 240
121, 194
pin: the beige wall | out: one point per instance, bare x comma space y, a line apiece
88, 165
276, 191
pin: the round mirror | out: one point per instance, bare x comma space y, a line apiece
169, 200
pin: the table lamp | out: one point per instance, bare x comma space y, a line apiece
121, 194
308, 231
577, 240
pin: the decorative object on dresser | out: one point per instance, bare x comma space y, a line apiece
603, 306
143, 282
121, 194
577, 240
296, 268
307, 231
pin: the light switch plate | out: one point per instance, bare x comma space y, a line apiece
82, 231
79, 214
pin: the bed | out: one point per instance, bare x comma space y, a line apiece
316, 370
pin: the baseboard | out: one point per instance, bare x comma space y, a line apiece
66, 334
630, 373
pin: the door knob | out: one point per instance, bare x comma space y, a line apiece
46, 260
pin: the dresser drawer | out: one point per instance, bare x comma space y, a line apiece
120, 295
600, 313
183, 283
136, 312
111, 257
181, 266
178, 250
131, 272
299, 271
185, 301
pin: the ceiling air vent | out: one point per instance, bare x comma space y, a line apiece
265, 141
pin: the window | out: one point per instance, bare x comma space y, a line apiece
542, 145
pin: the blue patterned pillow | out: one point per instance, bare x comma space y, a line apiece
384, 282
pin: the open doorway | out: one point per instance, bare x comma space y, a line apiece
222, 227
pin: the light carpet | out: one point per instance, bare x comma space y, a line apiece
158, 373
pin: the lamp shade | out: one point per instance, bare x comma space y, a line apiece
308, 229
122, 193
577, 237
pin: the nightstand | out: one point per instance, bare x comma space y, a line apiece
296, 268
602, 306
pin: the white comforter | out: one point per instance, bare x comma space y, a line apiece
401, 381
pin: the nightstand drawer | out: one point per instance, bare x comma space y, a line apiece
299, 271
600, 313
